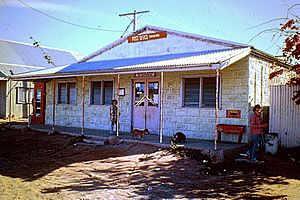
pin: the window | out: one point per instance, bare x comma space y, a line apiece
67, 93
24, 95
101, 92
199, 91
209, 92
191, 92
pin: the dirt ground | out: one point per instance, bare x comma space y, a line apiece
36, 165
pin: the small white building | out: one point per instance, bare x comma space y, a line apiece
165, 80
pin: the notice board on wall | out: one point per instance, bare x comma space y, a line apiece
233, 113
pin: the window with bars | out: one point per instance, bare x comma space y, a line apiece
199, 92
67, 93
101, 92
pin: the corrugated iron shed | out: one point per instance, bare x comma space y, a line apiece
285, 115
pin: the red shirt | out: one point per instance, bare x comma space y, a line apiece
255, 122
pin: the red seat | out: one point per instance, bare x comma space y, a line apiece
231, 129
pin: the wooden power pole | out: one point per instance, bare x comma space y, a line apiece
134, 17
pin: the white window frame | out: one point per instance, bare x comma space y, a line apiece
57, 92
182, 83
101, 95
28, 95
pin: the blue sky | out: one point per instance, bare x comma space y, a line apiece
233, 20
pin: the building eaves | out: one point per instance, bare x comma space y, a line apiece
268, 57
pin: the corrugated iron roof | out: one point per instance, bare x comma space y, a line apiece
34, 73
222, 58
189, 58
11, 70
23, 57
2, 74
200, 58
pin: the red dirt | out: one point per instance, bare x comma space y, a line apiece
36, 165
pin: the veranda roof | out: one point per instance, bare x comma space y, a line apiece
203, 60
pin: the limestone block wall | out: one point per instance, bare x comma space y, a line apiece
96, 116
194, 122
200, 122
244, 83
65, 114
259, 83
235, 92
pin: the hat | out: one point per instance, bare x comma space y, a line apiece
256, 106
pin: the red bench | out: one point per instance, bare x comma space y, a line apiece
231, 129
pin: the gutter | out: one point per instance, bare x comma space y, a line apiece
211, 66
268, 57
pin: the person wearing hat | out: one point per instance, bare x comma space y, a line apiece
256, 131
114, 114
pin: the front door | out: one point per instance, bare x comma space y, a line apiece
38, 103
146, 105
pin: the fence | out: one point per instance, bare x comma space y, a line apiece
285, 115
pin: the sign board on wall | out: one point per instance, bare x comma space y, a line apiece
146, 37
233, 113
146, 74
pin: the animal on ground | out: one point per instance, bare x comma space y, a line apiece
178, 137
139, 133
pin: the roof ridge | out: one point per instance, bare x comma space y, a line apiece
41, 46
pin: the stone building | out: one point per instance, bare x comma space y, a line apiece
165, 80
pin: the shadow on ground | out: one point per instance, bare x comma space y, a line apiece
144, 170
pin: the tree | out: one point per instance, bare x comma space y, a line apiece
291, 53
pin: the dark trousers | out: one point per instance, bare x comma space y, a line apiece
257, 141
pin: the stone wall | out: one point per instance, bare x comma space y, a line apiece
241, 89
96, 116
200, 122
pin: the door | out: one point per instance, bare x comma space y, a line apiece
3, 98
146, 105
38, 103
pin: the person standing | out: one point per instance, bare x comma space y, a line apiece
114, 114
256, 131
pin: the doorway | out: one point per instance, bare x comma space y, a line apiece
38, 104
146, 105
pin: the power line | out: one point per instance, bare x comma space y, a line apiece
168, 20
66, 22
